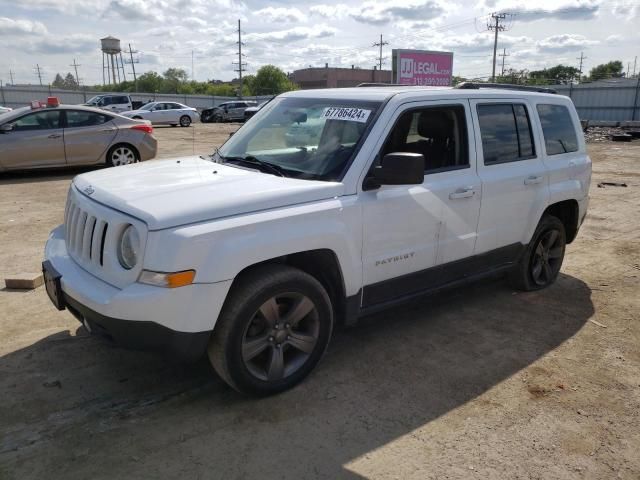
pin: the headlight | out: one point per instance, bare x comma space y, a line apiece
128, 247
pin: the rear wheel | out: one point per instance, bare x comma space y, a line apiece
273, 330
540, 265
122, 155
185, 121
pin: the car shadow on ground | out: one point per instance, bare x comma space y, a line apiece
393, 373
44, 174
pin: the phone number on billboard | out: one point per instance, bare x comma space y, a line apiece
432, 82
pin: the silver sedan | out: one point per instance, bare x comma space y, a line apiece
72, 135
165, 113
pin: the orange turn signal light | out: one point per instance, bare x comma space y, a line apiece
180, 279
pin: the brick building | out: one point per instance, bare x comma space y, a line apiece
326, 77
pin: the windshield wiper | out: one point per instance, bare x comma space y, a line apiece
256, 162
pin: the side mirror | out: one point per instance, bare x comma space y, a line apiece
7, 127
401, 168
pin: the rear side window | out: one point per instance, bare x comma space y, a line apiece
558, 129
506, 133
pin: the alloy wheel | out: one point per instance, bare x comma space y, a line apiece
122, 156
281, 336
547, 258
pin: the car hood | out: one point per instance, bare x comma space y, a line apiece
168, 193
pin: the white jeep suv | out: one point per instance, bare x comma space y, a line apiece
254, 253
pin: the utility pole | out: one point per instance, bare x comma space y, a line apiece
496, 27
75, 66
11, 76
380, 44
192, 74
133, 67
39, 73
240, 64
635, 60
582, 59
503, 55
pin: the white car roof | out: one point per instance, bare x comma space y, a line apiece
384, 93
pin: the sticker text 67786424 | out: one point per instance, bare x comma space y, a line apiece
349, 114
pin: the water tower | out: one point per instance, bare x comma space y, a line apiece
112, 62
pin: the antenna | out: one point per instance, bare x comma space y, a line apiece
503, 55
497, 27
241, 66
380, 44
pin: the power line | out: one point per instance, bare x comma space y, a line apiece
39, 73
75, 66
380, 44
497, 27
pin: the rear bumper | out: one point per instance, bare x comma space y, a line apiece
185, 346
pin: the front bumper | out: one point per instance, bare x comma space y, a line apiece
175, 320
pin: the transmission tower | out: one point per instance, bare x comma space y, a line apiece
241, 66
380, 44
496, 24
503, 55
133, 66
582, 59
75, 66
39, 73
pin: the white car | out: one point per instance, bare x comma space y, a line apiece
254, 254
167, 113
5, 110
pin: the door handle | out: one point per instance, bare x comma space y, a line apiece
462, 193
107, 130
54, 135
533, 180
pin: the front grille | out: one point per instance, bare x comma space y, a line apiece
85, 234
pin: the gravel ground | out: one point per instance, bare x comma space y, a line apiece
482, 383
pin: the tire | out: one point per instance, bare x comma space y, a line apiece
185, 121
122, 154
540, 265
253, 347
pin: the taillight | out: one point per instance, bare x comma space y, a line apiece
143, 127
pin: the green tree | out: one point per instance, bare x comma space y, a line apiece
607, 70
70, 82
554, 75
270, 80
58, 82
174, 78
150, 82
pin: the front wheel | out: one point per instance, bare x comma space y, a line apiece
185, 121
121, 155
540, 265
274, 328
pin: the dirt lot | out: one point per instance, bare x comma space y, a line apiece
481, 383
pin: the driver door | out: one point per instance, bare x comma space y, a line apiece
36, 140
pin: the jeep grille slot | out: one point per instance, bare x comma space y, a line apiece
85, 235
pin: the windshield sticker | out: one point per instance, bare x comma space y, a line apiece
349, 114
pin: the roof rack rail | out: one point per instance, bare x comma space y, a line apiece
505, 86
370, 84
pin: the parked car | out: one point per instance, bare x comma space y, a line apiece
254, 254
113, 103
71, 135
4, 110
165, 113
226, 112
251, 111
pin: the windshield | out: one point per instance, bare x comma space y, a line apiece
304, 137
94, 100
148, 106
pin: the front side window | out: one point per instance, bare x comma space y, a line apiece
506, 133
78, 118
558, 129
438, 133
304, 137
38, 121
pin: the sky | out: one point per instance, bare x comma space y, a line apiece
293, 35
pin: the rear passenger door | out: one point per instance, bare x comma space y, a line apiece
514, 177
87, 136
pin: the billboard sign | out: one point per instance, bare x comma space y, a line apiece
420, 67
